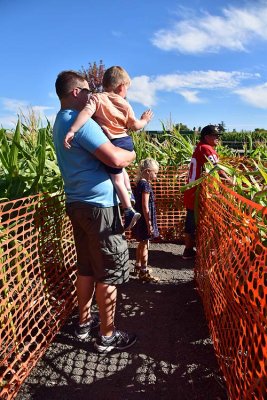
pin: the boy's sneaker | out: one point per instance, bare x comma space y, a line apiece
130, 219
189, 254
118, 341
145, 276
82, 331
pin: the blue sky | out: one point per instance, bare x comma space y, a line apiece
195, 62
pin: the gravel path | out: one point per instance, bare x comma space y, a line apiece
173, 358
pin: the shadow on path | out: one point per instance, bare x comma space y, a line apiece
173, 358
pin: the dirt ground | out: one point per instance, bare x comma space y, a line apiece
173, 358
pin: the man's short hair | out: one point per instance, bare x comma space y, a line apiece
67, 81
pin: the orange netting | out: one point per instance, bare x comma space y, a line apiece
36, 283
37, 279
231, 273
37, 273
169, 202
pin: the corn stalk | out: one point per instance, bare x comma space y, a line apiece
28, 163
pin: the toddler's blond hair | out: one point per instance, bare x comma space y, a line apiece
115, 76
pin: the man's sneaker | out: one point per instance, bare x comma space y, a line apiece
189, 254
84, 330
145, 276
130, 219
118, 341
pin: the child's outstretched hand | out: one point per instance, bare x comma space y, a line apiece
147, 115
68, 139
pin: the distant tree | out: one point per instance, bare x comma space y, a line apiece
182, 128
260, 130
221, 126
94, 76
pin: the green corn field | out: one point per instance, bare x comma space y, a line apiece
28, 162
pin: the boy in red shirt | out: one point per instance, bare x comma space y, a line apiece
205, 150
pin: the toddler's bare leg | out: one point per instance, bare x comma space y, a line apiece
122, 192
126, 180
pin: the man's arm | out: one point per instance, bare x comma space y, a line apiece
113, 156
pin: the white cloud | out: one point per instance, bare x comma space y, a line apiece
202, 79
13, 107
8, 121
254, 95
191, 96
144, 89
233, 30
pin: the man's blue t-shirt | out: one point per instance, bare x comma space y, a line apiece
85, 177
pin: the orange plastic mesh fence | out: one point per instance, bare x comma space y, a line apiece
169, 202
36, 283
231, 272
37, 273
